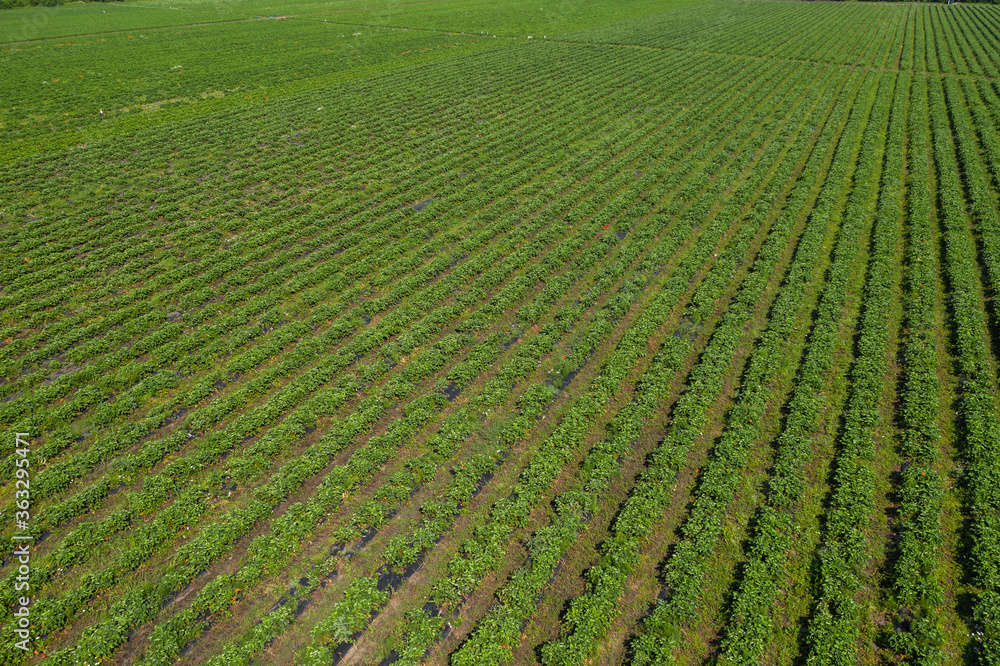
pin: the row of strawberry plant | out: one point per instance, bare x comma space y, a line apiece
412, 366
257, 354
918, 56
842, 555
170, 636
959, 43
977, 396
53, 612
131, 325
751, 607
532, 574
402, 486
940, 39
151, 364
675, 238
685, 568
973, 25
411, 370
931, 62
465, 480
542, 543
906, 50
548, 461
982, 198
589, 615
259, 167
262, 382
916, 584
196, 555
979, 152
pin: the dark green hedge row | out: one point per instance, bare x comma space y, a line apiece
988, 2
12, 4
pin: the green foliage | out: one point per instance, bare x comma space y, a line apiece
361, 598
309, 295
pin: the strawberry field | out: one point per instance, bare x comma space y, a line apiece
473, 333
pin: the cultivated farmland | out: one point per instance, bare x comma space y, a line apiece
481, 333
